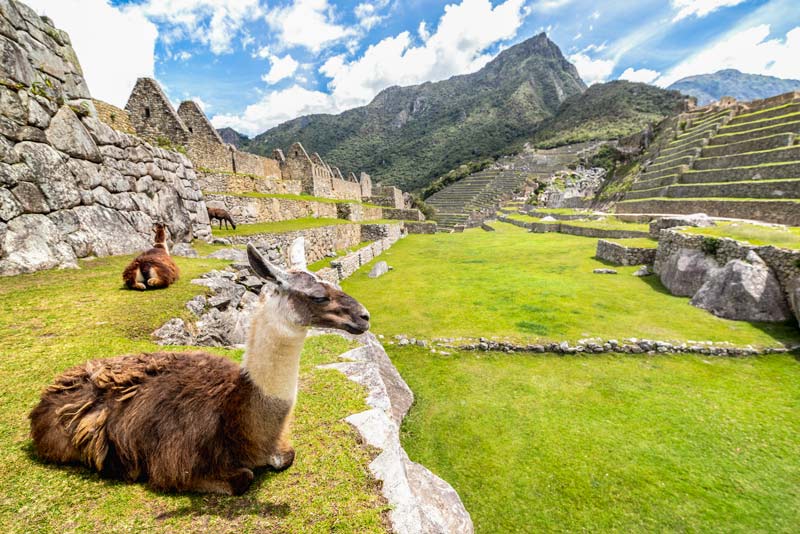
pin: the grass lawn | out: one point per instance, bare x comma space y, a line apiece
53, 320
540, 443
522, 286
755, 234
606, 223
277, 227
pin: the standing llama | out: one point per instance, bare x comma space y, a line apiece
153, 268
220, 215
196, 421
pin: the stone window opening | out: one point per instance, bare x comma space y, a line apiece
147, 113
190, 130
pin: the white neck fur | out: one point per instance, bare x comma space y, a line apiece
274, 343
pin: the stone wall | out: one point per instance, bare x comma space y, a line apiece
221, 182
781, 212
246, 163
564, 228
353, 211
388, 196
345, 190
377, 232
117, 118
246, 210
70, 186
403, 214
621, 255
426, 227
345, 266
784, 262
320, 242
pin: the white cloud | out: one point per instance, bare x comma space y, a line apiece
183, 55
205, 106
457, 47
277, 107
368, 15
262, 52
423, 32
699, 8
749, 51
550, 5
307, 23
639, 75
282, 67
592, 70
114, 45
215, 23
577, 36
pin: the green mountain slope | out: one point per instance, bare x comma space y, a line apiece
232, 137
407, 136
730, 82
607, 111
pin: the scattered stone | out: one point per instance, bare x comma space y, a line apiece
548, 218
197, 305
379, 269
174, 332
604, 271
232, 254
744, 291
697, 219
185, 250
221, 241
644, 270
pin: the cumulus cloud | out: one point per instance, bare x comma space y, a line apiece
458, 46
639, 75
307, 23
368, 13
592, 70
183, 55
205, 106
282, 67
114, 45
749, 50
274, 108
699, 8
215, 23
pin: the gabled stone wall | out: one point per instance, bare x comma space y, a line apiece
152, 115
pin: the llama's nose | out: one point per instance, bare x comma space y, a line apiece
365, 316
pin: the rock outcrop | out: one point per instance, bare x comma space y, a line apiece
744, 291
71, 186
684, 271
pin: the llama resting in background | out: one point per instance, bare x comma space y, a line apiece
220, 215
195, 421
153, 268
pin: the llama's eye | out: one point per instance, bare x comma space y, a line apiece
320, 300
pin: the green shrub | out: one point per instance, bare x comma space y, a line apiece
710, 245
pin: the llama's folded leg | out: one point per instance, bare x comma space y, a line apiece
138, 282
282, 456
155, 279
234, 483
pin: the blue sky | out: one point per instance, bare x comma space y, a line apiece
252, 64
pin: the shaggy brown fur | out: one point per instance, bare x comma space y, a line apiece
153, 268
181, 421
220, 215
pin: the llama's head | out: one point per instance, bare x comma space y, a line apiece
160, 230
307, 300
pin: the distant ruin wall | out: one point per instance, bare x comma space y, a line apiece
70, 186
319, 242
246, 210
152, 115
388, 196
344, 190
117, 118
247, 163
220, 182
210, 156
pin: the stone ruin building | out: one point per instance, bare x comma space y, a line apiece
221, 167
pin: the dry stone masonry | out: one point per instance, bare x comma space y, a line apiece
71, 186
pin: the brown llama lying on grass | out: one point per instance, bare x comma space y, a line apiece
220, 215
195, 421
153, 268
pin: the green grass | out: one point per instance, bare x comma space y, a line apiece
611, 223
529, 218
788, 125
755, 234
765, 110
610, 443
278, 227
767, 119
53, 320
563, 211
522, 286
636, 242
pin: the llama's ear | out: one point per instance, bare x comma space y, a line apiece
297, 254
265, 269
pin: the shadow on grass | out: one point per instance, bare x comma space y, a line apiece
200, 504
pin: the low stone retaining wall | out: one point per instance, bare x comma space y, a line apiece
749, 159
784, 262
751, 189
560, 216
353, 211
781, 212
563, 228
422, 227
622, 255
220, 182
247, 210
344, 267
403, 214
320, 242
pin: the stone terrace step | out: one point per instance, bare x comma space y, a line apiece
740, 174
773, 211
692, 149
749, 158
657, 182
724, 138
670, 162
751, 189
768, 113
752, 145
759, 123
647, 175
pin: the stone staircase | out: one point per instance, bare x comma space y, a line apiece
478, 196
739, 162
